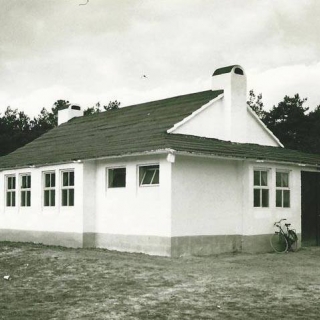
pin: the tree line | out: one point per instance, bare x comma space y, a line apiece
290, 121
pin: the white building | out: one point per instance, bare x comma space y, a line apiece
194, 174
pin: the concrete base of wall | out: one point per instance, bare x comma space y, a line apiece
256, 243
204, 245
65, 239
153, 245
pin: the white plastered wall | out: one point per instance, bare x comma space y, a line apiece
257, 133
213, 122
133, 210
215, 197
37, 217
206, 197
204, 124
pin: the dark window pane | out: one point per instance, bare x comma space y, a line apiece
256, 178
47, 180
279, 198
13, 199
147, 176
64, 197
278, 179
264, 178
256, 197
23, 198
110, 178
46, 198
71, 178
28, 182
156, 178
286, 198
285, 180
13, 183
53, 197
71, 197
117, 178
53, 179
28, 200
265, 198
23, 182
8, 199
65, 179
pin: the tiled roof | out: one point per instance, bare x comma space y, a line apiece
131, 129
227, 149
139, 128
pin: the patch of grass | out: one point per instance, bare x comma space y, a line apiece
60, 283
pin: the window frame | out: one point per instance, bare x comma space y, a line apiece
11, 191
282, 189
50, 189
261, 188
142, 171
108, 177
25, 191
70, 189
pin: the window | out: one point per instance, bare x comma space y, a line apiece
11, 191
49, 189
117, 178
67, 188
25, 188
261, 189
149, 175
282, 190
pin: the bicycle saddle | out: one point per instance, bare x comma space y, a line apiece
287, 224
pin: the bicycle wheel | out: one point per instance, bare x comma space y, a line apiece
279, 243
293, 238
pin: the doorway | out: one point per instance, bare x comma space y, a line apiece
310, 208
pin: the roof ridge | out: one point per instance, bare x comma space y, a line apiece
160, 101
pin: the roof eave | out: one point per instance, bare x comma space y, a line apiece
257, 160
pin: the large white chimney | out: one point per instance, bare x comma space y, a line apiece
67, 114
233, 81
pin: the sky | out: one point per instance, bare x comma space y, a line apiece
99, 51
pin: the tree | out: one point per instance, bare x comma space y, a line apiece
256, 104
112, 105
289, 122
92, 110
312, 140
15, 130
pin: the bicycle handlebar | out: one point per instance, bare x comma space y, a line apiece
276, 223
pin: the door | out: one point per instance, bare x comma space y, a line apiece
310, 208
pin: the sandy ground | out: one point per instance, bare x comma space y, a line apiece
59, 283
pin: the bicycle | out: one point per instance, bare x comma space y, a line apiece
284, 240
